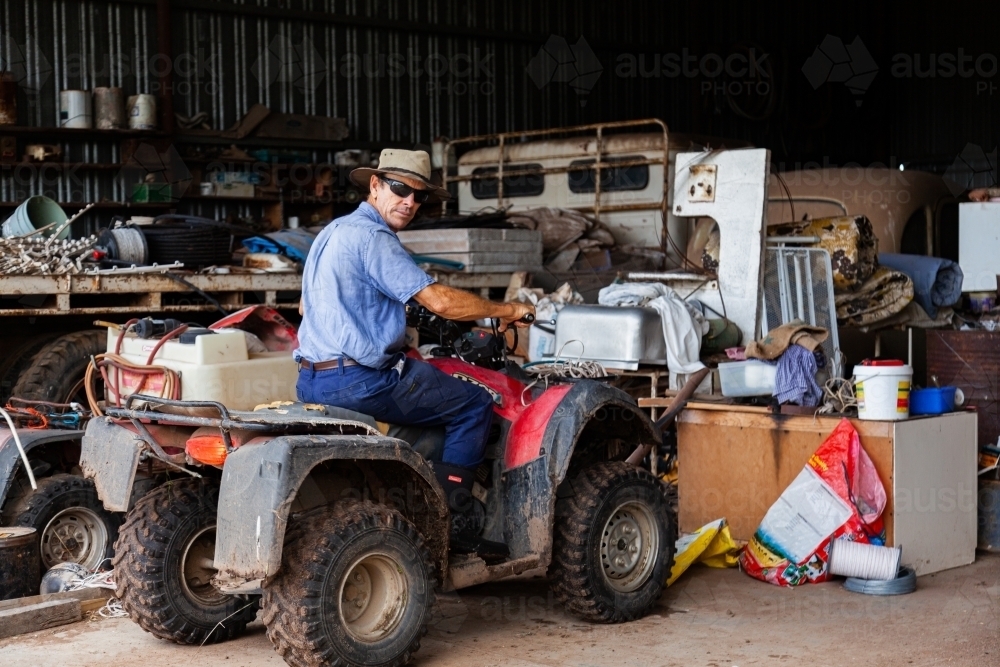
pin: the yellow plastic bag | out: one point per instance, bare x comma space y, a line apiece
711, 544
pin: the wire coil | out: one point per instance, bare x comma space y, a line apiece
126, 244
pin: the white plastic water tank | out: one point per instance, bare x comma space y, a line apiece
214, 367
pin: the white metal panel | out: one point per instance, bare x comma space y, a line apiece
979, 245
934, 491
740, 209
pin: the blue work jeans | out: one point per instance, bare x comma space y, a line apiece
420, 395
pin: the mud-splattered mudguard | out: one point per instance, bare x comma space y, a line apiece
10, 457
541, 458
260, 481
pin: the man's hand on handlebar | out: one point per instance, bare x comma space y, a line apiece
523, 314
462, 306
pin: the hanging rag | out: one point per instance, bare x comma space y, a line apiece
683, 325
779, 339
795, 380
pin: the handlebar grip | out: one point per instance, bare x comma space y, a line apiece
527, 319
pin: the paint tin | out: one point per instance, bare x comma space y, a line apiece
883, 391
75, 109
109, 108
142, 112
20, 565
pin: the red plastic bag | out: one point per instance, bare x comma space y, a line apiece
838, 494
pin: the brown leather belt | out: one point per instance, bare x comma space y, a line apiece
325, 365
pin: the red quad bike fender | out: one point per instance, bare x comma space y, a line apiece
512, 402
542, 439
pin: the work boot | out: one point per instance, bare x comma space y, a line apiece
465, 528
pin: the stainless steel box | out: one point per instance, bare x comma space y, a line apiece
619, 338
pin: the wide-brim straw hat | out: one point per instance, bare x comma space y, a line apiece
415, 165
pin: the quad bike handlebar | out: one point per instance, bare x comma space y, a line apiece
476, 347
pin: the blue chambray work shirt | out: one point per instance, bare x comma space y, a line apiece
355, 284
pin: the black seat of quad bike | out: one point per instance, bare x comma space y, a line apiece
426, 441
307, 410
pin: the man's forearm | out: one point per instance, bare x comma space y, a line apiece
459, 305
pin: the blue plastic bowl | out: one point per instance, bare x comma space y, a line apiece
932, 401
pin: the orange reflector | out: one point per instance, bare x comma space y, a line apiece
207, 449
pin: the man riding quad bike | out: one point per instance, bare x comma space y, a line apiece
394, 477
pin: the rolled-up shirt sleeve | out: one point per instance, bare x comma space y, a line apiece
391, 269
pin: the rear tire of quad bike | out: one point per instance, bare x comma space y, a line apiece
71, 521
355, 589
56, 372
614, 543
163, 567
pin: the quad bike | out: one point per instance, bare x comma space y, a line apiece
336, 527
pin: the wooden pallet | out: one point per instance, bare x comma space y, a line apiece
142, 293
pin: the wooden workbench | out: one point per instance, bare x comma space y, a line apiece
734, 462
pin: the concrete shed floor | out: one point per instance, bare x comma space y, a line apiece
714, 618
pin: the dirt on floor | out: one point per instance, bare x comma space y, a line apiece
713, 618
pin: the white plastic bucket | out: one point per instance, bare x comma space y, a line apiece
142, 112
75, 110
883, 392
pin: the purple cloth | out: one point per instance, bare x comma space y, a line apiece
795, 381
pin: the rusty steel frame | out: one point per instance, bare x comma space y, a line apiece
598, 129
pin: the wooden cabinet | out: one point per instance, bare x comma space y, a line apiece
735, 462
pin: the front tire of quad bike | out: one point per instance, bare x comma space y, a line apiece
163, 567
355, 589
614, 543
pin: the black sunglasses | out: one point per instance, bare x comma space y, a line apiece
403, 190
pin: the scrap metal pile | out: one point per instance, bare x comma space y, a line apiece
37, 254
37, 241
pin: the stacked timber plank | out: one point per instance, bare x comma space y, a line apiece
479, 250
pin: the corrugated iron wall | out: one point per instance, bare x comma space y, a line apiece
397, 70
407, 71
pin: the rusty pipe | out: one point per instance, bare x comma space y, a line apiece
676, 405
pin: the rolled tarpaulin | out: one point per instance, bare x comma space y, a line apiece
937, 282
294, 243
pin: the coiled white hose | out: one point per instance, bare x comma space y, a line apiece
864, 561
